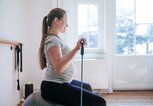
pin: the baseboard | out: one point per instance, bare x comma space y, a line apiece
101, 91
133, 87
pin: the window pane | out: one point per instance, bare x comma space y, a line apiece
82, 15
124, 26
127, 5
93, 15
144, 39
144, 11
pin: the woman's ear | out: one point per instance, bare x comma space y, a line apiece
56, 19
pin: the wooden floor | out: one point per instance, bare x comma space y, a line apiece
129, 98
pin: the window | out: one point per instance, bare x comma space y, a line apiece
88, 23
134, 27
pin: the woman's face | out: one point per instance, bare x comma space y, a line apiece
63, 24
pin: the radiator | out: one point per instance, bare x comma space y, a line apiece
94, 72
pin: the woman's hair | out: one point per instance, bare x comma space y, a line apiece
47, 24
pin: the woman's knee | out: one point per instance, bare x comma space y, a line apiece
87, 86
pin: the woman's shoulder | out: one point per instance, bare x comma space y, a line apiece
52, 39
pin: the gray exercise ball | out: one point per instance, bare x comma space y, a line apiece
35, 99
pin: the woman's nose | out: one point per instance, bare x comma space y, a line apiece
66, 24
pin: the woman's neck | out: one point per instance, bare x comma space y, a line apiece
53, 31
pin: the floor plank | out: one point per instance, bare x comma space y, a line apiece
129, 98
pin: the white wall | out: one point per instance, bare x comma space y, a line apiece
12, 13
8, 78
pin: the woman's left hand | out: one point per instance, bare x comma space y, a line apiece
80, 42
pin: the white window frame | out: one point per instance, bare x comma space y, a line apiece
98, 52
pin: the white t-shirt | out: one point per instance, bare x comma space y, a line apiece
50, 74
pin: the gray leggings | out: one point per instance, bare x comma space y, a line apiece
68, 94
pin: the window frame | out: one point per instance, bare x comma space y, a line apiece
91, 52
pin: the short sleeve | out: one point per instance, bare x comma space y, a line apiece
52, 42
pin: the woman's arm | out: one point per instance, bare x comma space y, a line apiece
60, 62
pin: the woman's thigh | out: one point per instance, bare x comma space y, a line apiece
86, 86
